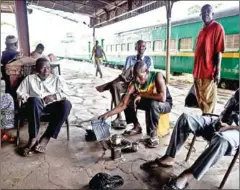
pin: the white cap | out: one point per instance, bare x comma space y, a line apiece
11, 40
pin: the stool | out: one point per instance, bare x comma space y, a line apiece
163, 125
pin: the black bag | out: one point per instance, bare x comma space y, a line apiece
191, 99
90, 135
103, 181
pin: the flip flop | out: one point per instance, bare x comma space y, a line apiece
172, 185
154, 164
40, 149
132, 132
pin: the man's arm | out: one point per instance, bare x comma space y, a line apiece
161, 90
123, 104
23, 89
104, 55
219, 49
93, 51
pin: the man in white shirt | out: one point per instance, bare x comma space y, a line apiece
43, 92
120, 84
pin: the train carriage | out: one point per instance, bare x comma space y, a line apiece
182, 45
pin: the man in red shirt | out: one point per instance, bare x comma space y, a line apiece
207, 63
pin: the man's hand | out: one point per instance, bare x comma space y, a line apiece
104, 116
224, 127
24, 98
49, 99
217, 76
136, 100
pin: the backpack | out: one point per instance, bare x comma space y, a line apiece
98, 52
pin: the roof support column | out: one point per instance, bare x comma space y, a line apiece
169, 5
22, 26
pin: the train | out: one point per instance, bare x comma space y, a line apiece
184, 33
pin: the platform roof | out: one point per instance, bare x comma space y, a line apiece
101, 12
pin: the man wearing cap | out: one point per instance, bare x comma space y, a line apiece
9, 54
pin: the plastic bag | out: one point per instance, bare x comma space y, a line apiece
90, 135
101, 129
191, 99
103, 181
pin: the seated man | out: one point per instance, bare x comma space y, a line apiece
43, 92
120, 84
148, 92
7, 56
38, 52
221, 133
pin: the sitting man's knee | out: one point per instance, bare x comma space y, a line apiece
154, 104
66, 104
219, 140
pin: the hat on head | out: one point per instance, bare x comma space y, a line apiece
11, 39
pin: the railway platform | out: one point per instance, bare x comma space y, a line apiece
71, 164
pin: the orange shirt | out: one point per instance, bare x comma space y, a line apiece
209, 42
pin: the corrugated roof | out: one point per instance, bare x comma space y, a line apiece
101, 12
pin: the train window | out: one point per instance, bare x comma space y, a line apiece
173, 45
113, 48
186, 44
131, 47
232, 41
148, 46
158, 45
118, 48
124, 47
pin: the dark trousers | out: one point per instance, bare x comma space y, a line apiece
58, 111
153, 109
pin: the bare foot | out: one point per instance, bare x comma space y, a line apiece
41, 146
100, 88
166, 160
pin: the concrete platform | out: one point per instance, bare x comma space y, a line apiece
71, 164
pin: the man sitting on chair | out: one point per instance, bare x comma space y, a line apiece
119, 85
222, 133
148, 92
43, 92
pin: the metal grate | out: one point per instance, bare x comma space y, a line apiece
232, 41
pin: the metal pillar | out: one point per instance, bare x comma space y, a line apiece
22, 26
169, 5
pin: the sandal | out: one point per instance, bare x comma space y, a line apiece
154, 164
133, 132
153, 142
40, 149
172, 184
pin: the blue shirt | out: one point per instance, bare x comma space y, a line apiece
131, 60
8, 55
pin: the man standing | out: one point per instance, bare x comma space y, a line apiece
43, 92
98, 53
207, 63
120, 84
9, 54
148, 91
